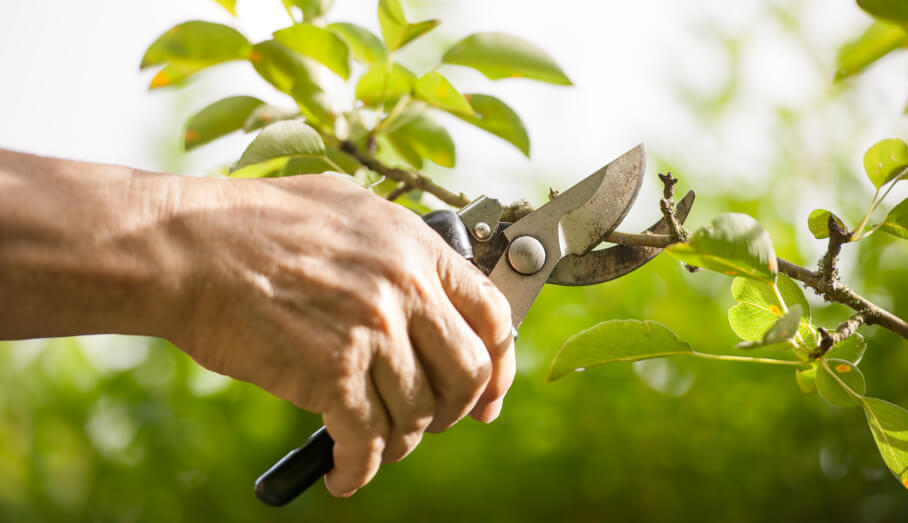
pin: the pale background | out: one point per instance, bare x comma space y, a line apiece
71, 86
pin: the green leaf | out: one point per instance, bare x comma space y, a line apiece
807, 380
877, 41
889, 425
320, 44
313, 103
287, 138
616, 340
402, 150
267, 114
437, 91
380, 85
758, 308
818, 223
896, 222
838, 381
886, 160
280, 66
311, 9
220, 118
395, 28
781, 332
192, 46
496, 117
733, 244
423, 136
229, 5
365, 46
498, 55
893, 10
175, 74
267, 169
334, 160
850, 349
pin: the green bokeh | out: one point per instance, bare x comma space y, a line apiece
138, 432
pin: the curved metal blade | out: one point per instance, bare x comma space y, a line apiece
608, 264
572, 223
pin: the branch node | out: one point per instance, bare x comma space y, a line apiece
846, 329
667, 205
838, 235
414, 179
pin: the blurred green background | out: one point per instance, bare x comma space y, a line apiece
110, 428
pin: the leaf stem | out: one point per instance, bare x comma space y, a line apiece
895, 180
778, 293
393, 114
748, 359
873, 203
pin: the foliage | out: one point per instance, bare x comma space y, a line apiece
393, 110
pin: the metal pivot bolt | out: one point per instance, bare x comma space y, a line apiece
526, 255
482, 230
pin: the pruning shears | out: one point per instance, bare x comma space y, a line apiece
552, 244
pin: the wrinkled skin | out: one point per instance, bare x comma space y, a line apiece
311, 287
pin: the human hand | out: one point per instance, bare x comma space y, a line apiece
345, 304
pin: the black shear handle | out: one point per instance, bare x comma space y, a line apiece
302, 467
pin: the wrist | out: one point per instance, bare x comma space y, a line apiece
87, 249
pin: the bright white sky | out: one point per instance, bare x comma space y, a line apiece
71, 86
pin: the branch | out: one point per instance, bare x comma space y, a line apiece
667, 205
659, 241
831, 290
838, 235
414, 179
838, 292
825, 281
846, 329
399, 191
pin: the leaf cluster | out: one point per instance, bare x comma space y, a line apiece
394, 114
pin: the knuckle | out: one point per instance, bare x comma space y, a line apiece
471, 381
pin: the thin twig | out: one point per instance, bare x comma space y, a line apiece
831, 290
846, 329
838, 235
838, 292
659, 241
399, 191
414, 179
667, 205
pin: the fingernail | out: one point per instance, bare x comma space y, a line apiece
348, 494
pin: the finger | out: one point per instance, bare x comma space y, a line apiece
489, 314
359, 426
404, 389
454, 358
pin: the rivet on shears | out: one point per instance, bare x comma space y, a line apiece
482, 230
526, 255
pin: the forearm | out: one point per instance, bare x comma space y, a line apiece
86, 248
